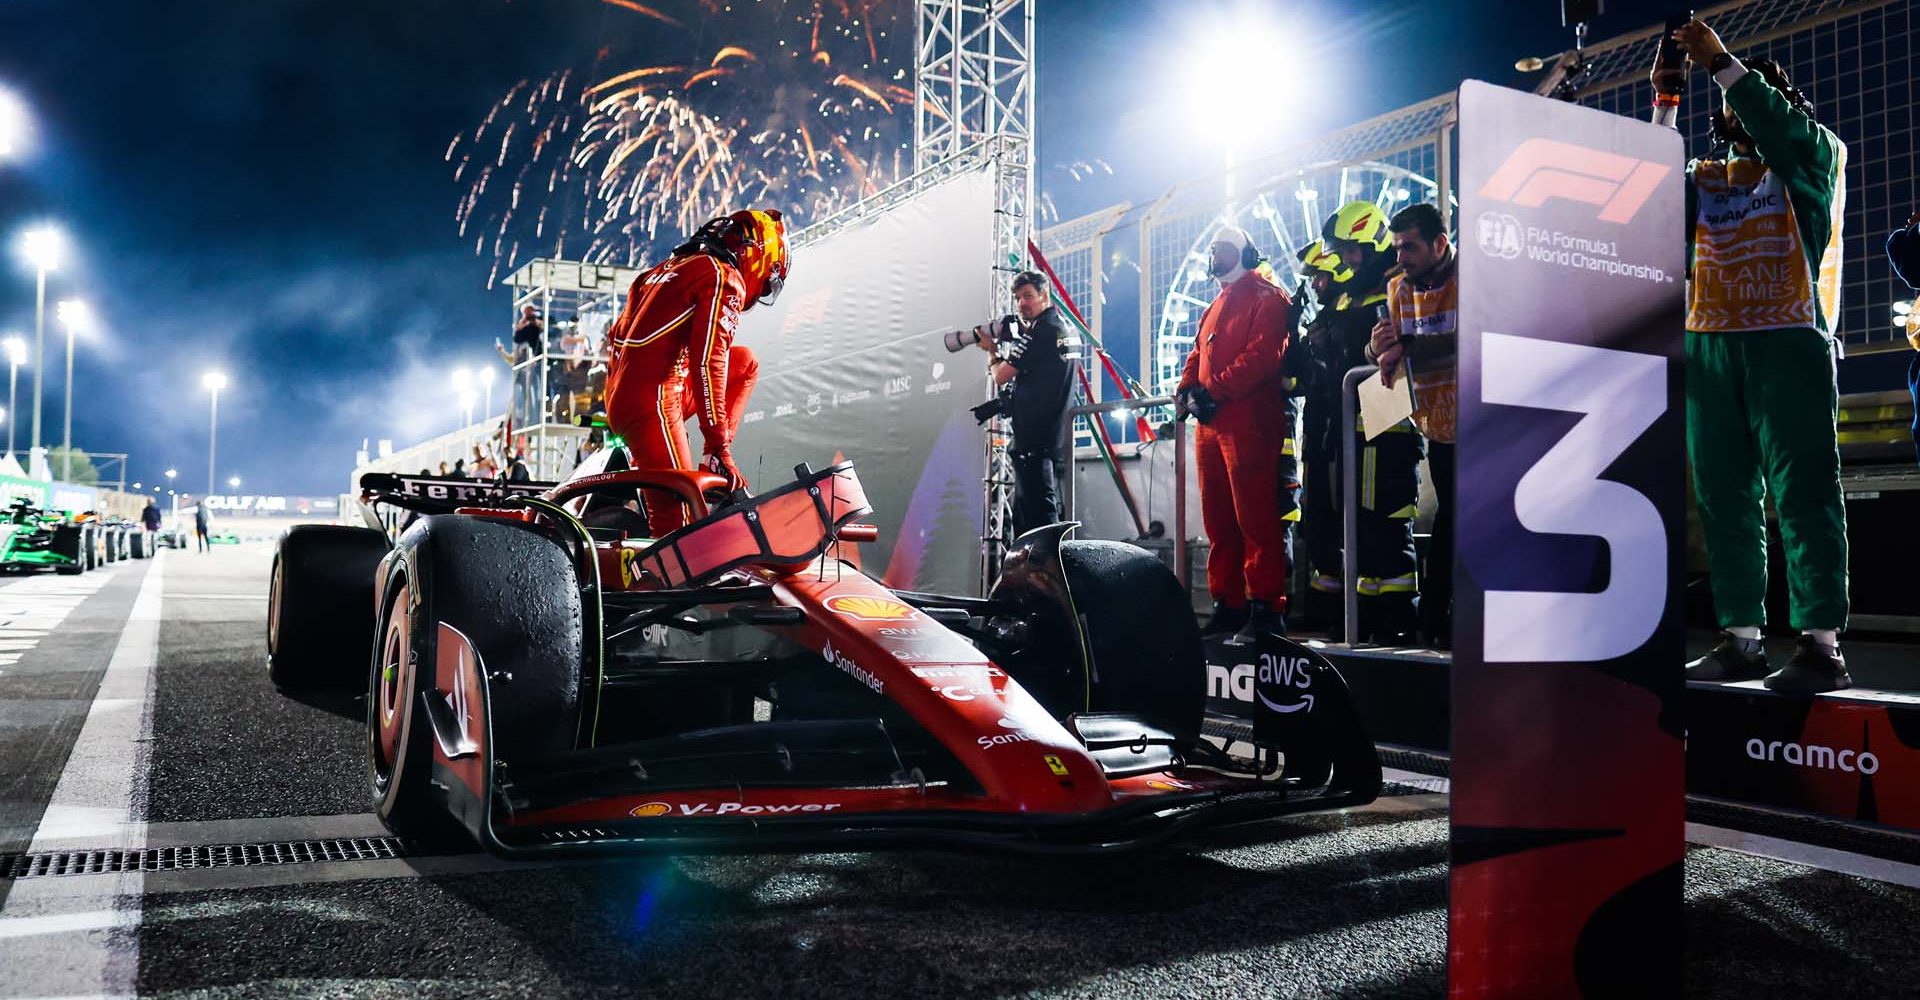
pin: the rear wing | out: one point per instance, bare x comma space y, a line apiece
442, 495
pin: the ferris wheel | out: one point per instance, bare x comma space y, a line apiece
1282, 217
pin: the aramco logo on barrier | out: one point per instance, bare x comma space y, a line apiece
1824, 758
1541, 169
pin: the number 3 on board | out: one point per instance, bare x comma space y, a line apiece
1620, 394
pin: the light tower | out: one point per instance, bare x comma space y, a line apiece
213, 382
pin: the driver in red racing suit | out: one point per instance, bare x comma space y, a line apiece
673, 344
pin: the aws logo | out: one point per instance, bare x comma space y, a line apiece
1543, 169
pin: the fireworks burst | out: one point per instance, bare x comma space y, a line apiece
806, 108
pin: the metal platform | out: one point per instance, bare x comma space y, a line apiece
1850, 757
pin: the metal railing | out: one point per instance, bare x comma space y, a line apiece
1177, 430
1350, 501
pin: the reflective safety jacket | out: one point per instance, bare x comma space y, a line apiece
1427, 317
1764, 234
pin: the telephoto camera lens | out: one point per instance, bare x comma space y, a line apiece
960, 340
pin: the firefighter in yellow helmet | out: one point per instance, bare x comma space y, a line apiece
1356, 242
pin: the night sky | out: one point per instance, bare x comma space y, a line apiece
258, 185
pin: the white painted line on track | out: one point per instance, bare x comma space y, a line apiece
31, 608
254, 830
1824, 858
55, 941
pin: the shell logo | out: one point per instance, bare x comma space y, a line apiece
1171, 785
870, 609
648, 809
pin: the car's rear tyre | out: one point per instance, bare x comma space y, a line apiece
511, 591
137, 545
320, 614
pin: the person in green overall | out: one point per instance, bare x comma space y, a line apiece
1762, 404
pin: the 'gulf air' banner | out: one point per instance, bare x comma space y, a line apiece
1568, 799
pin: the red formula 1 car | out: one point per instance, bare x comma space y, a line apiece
543, 679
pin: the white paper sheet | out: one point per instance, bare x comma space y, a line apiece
1381, 407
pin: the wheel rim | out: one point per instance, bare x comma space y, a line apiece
391, 682
274, 587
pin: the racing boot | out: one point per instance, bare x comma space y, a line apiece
1389, 620
1262, 619
1734, 659
1814, 668
1225, 619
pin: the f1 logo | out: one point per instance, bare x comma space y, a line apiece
1540, 169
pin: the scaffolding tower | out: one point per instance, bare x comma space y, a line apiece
576, 302
973, 88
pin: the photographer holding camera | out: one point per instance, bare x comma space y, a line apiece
1035, 380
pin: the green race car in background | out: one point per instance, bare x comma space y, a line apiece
32, 538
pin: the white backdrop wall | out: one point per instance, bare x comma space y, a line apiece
851, 366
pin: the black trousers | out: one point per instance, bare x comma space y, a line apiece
1436, 572
1389, 488
1036, 503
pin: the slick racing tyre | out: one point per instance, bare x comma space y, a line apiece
1109, 629
510, 590
320, 606
137, 545
70, 540
1147, 656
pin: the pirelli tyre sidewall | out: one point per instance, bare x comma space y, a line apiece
511, 590
320, 606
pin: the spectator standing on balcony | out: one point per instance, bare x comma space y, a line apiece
1762, 402
1903, 249
529, 342
1422, 329
569, 372
1233, 384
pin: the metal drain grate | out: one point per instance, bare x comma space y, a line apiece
166, 859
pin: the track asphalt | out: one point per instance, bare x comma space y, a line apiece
1342, 905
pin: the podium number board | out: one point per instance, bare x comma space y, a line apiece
1568, 799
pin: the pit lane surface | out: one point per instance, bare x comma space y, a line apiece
186, 743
